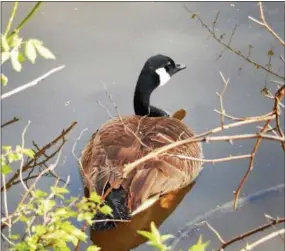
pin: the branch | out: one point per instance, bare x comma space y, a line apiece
26, 19
264, 24
251, 232
15, 119
237, 52
262, 240
197, 138
32, 83
29, 163
12, 16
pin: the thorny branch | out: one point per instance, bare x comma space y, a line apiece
219, 39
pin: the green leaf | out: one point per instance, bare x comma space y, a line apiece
39, 193
21, 57
95, 197
59, 190
39, 229
15, 60
7, 148
270, 53
15, 41
6, 169
93, 248
4, 44
29, 152
5, 56
193, 16
4, 79
43, 51
14, 236
30, 51
200, 245
14, 156
106, 210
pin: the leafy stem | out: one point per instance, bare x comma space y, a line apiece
13, 13
26, 19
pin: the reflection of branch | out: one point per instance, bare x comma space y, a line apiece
262, 240
15, 119
31, 163
264, 24
249, 233
235, 51
32, 83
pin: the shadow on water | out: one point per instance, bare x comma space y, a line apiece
125, 237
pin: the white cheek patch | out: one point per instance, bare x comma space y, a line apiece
163, 76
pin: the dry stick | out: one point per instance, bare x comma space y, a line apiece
38, 154
15, 119
250, 167
197, 138
265, 24
251, 232
32, 83
230, 158
214, 231
237, 52
220, 95
262, 240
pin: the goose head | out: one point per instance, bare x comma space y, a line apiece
156, 72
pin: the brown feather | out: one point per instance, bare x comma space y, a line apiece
126, 139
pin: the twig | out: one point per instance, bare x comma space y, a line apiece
216, 160
5, 202
51, 167
29, 165
237, 52
197, 138
12, 16
26, 19
15, 119
262, 240
32, 83
251, 162
251, 232
214, 231
220, 95
264, 23
22, 159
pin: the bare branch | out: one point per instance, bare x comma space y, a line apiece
32, 83
15, 119
262, 240
251, 232
264, 24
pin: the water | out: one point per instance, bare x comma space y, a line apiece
107, 44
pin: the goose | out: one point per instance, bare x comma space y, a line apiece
125, 139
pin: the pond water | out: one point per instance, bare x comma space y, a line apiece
106, 44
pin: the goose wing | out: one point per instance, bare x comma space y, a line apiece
126, 139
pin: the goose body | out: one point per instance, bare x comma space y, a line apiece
124, 139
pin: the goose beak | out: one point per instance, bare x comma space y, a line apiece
179, 67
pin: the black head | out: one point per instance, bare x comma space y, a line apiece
156, 72
163, 67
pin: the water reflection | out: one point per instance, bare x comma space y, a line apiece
124, 237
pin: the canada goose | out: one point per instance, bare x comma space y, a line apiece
125, 139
